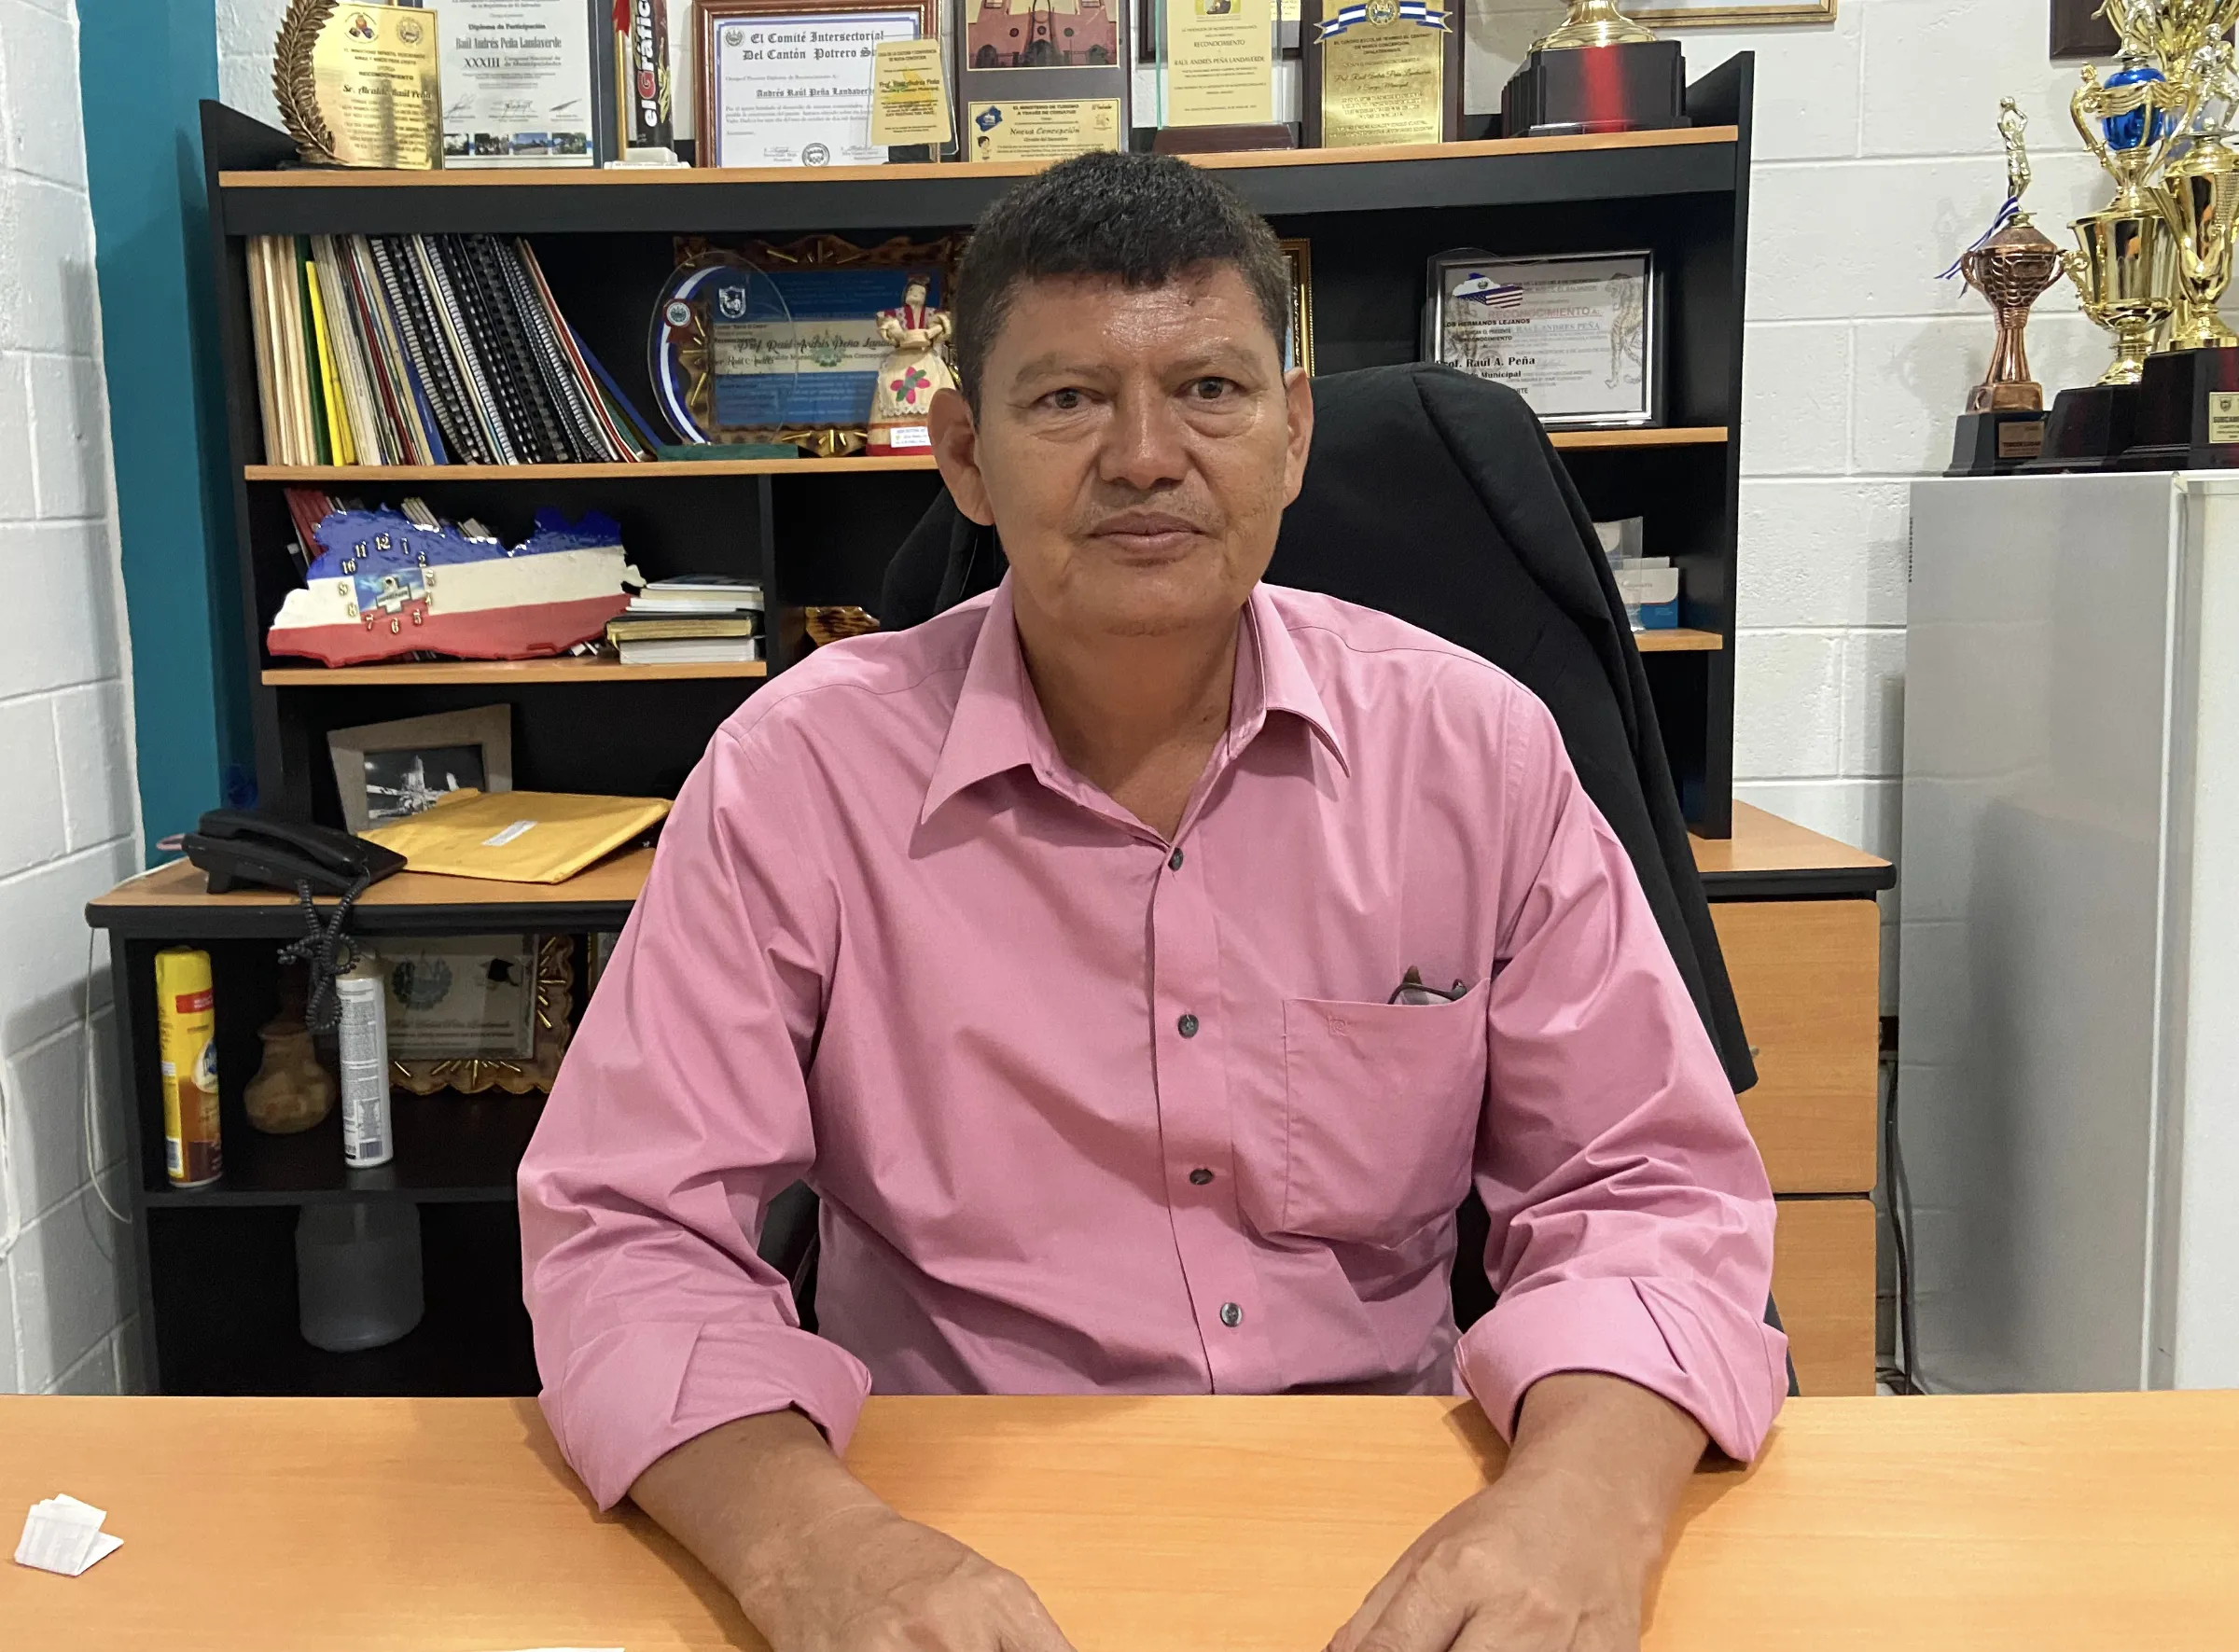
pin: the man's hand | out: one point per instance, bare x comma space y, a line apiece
1553, 1557
818, 1563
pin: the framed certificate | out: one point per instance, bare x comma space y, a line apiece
790, 82
518, 83
1575, 335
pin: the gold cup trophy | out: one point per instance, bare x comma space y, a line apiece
2152, 266
2004, 424
1596, 71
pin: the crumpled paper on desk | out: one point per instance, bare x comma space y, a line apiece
62, 1535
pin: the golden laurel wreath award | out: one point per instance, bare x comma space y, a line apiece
359, 85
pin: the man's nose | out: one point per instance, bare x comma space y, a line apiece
1145, 444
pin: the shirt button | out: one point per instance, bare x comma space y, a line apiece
1174, 861
1198, 1178
1186, 1026
1230, 1316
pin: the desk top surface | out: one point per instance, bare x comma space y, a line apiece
1766, 858
2037, 1522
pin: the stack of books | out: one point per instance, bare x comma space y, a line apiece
700, 619
425, 349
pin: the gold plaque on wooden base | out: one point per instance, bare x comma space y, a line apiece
1381, 72
359, 85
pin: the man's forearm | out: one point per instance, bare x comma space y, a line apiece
747, 1499
1580, 1435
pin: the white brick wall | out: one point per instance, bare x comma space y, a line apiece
68, 814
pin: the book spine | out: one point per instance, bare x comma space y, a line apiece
587, 435
621, 442
383, 370
338, 435
451, 326
308, 357
261, 336
508, 349
428, 359
371, 427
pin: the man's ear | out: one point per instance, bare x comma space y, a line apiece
956, 446
1297, 406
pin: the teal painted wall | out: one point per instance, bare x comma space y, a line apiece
142, 70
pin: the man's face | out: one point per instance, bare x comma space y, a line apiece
1135, 449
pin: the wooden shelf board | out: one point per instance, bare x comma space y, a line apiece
1680, 640
662, 469
687, 177
178, 884
499, 672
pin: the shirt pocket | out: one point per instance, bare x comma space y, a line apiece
1381, 1107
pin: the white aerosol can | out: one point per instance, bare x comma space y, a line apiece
367, 1136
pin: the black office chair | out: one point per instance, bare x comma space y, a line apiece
1436, 497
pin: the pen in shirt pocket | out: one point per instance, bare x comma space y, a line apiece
1412, 989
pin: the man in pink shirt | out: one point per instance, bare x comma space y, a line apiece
1065, 944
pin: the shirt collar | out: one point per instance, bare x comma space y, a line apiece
998, 725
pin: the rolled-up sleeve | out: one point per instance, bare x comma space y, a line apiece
680, 1111
1632, 1222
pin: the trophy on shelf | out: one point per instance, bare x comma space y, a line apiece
2011, 266
1598, 71
2188, 407
2120, 263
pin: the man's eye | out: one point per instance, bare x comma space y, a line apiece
1065, 401
1210, 389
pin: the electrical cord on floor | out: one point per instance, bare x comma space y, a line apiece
1898, 1197
87, 1099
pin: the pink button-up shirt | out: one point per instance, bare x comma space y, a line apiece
1092, 1110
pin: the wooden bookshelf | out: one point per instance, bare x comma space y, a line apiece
498, 674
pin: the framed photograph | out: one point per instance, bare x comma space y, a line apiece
1043, 79
1298, 340
471, 1013
1575, 335
788, 83
1709, 12
385, 771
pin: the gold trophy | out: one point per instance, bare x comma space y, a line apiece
1596, 71
2130, 125
2003, 424
1594, 23
2198, 195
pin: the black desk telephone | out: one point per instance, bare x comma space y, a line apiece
235, 847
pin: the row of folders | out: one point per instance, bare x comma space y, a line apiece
426, 350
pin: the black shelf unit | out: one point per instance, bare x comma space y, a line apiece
822, 534
217, 1265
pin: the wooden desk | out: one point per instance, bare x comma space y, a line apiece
2040, 1523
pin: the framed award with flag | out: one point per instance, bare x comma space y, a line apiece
1576, 336
1379, 72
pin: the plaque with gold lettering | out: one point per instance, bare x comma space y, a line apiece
1380, 72
359, 85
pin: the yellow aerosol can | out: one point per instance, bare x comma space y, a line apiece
187, 1040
